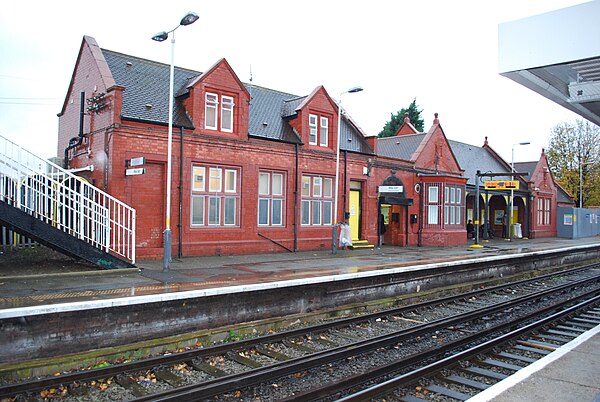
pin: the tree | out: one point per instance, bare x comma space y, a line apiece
574, 153
414, 114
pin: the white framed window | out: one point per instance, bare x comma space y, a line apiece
432, 207
271, 198
230, 180
219, 118
327, 187
198, 178
324, 132
312, 125
215, 180
317, 203
453, 205
216, 204
317, 186
227, 114
306, 186
210, 113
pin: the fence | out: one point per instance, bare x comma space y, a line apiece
65, 201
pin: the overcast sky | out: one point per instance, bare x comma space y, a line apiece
443, 53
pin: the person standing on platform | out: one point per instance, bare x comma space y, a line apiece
382, 229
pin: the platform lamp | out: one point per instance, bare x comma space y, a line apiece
512, 193
188, 19
337, 167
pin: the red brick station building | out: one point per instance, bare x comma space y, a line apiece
253, 169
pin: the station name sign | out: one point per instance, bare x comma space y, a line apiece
391, 189
501, 184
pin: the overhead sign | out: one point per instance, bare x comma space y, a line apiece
134, 172
391, 189
501, 184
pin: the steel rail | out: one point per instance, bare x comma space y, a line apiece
149, 363
165, 360
236, 381
407, 378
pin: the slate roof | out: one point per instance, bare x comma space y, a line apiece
563, 197
146, 99
525, 167
472, 158
147, 83
399, 147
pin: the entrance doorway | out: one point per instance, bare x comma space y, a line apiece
355, 212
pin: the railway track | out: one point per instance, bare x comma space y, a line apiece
269, 365
465, 374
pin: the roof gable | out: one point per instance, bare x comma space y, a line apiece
89, 47
220, 74
406, 127
435, 151
541, 177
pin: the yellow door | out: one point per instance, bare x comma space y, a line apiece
354, 220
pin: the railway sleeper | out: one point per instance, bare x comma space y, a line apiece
539, 345
592, 322
438, 389
514, 356
579, 324
550, 337
484, 372
207, 368
524, 348
501, 364
273, 354
243, 360
457, 379
131, 385
571, 328
562, 333
170, 378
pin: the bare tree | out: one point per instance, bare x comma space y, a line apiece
574, 157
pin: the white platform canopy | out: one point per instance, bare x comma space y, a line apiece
557, 55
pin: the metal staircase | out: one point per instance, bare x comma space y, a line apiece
52, 206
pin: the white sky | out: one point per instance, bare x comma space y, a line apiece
442, 52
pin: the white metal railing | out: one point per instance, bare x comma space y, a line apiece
69, 203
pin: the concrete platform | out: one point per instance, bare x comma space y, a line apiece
30, 289
23, 284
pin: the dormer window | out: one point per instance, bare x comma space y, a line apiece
227, 114
323, 140
318, 130
214, 120
312, 123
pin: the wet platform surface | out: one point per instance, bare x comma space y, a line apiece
570, 374
25, 285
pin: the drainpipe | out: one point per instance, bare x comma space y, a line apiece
179, 223
345, 182
76, 141
296, 202
421, 220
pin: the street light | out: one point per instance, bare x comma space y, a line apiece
188, 19
512, 194
337, 167
581, 165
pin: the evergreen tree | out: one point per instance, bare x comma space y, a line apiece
574, 153
414, 114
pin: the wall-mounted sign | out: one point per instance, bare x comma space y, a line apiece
134, 172
568, 219
391, 189
139, 161
501, 184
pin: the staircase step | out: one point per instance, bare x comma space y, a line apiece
356, 244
